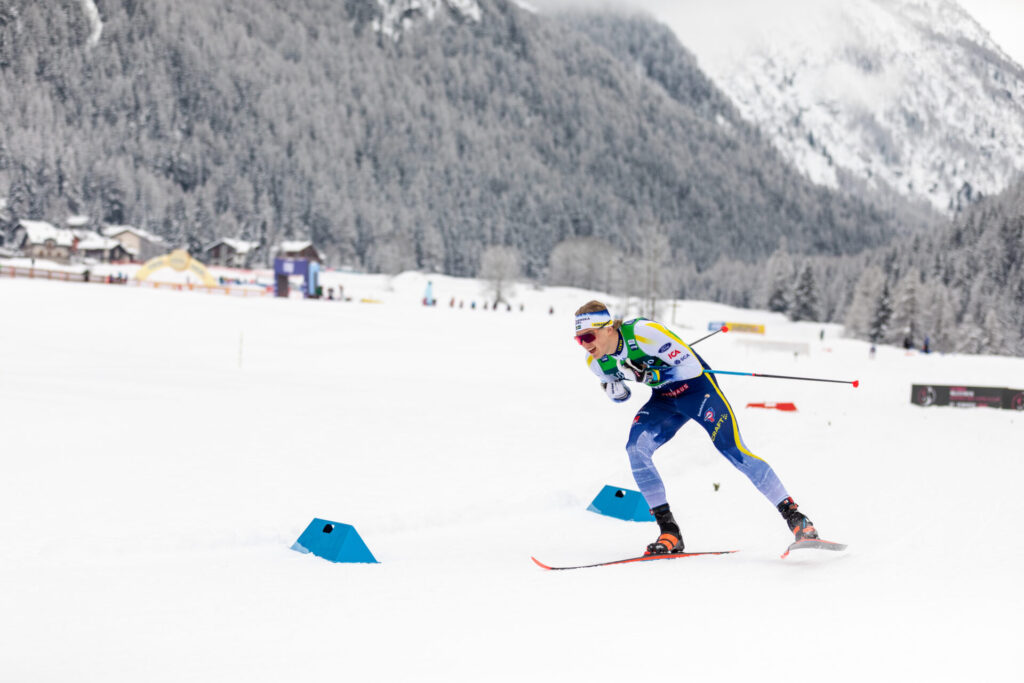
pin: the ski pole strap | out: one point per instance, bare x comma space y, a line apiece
855, 382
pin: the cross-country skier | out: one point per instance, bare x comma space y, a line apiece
648, 352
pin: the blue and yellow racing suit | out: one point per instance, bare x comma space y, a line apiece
680, 391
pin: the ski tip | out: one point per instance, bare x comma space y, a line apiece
725, 328
813, 543
855, 383
539, 563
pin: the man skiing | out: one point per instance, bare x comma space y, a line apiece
648, 352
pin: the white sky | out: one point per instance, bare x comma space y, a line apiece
1003, 19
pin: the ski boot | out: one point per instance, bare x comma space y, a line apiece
802, 528
671, 539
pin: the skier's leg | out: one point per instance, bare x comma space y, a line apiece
653, 425
719, 421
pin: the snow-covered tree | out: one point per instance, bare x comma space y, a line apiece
780, 272
879, 326
905, 322
860, 313
938, 317
805, 297
500, 266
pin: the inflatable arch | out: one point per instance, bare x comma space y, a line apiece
179, 260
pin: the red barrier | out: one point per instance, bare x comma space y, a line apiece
788, 407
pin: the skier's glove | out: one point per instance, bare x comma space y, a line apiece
617, 391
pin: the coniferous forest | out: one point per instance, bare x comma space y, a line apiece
590, 146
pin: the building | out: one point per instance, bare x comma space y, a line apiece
42, 240
103, 249
142, 245
231, 253
298, 250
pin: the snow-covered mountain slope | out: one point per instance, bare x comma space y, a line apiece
392, 17
910, 93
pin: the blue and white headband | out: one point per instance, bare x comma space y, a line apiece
593, 321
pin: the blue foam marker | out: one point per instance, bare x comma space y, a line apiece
621, 504
333, 541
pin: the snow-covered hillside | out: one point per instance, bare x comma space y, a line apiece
910, 93
161, 451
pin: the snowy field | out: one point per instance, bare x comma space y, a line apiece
161, 451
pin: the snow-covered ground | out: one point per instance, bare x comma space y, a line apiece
162, 450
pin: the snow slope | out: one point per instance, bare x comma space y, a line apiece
162, 450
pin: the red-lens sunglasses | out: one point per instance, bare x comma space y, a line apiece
585, 338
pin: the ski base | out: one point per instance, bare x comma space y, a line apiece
628, 560
817, 543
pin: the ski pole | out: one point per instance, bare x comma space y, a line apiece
723, 328
855, 383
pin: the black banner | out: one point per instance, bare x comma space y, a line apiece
1013, 399
966, 397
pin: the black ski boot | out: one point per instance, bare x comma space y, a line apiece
801, 527
671, 539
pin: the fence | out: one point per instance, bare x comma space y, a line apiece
71, 276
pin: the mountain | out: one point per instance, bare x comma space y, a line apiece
399, 134
910, 94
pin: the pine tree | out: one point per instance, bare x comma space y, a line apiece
879, 327
780, 269
938, 323
905, 323
861, 310
805, 297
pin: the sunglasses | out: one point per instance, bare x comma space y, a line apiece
585, 338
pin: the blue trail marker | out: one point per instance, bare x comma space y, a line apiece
333, 541
622, 504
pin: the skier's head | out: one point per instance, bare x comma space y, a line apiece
596, 331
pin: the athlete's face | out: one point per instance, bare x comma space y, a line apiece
598, 342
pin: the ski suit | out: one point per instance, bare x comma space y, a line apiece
680, 391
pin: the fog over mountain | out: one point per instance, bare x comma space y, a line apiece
911, 94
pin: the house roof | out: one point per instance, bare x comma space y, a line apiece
115, 230
94, 242
295, 245
37, 232
238, 246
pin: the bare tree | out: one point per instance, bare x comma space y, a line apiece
500, 266
652, 276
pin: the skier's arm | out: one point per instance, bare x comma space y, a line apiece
657, 340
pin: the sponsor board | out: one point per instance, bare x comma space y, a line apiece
736, 327
962, 396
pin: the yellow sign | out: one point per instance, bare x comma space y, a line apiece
746, 327
180, 261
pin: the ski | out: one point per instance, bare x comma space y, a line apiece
628, 560
813, 543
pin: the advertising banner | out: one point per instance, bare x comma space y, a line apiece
1013, 399
966, 396
737, 327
